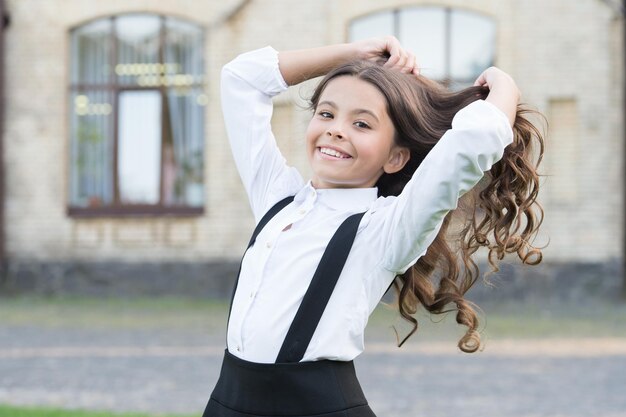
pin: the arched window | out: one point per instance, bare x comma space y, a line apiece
136, 116
452, 45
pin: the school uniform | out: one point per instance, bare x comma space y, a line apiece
290, 349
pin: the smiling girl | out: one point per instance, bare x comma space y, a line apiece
391, 154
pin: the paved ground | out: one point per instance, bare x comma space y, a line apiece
175, 370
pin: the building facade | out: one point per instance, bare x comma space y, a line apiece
118, 177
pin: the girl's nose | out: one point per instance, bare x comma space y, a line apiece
333, 132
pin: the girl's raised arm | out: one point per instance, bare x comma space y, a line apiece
248, 84
300, 65
476, 141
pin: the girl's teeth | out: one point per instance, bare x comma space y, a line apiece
333, 153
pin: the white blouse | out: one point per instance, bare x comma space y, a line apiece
392, 235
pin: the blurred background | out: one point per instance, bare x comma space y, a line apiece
123, 219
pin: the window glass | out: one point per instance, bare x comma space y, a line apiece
472, 45
138, 43
91, 150
422, 30
139, 146
183, 58
91, 49
376, 24
183, 156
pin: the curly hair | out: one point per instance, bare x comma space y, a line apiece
501, 213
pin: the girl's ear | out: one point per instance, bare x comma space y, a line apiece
398, 158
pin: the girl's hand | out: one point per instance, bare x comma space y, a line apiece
503, 91
491, 75
388, 51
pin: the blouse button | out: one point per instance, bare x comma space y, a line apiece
238, 349
302, 211
268, 244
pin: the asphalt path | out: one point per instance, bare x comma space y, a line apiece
174, 371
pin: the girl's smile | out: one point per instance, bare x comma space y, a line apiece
350, 139
331, 153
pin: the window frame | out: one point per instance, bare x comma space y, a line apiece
114, 88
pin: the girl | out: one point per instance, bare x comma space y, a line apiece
391, 153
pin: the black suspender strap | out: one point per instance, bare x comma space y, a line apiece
264, 220
320, 289
268, 216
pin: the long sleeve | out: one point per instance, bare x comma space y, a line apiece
248, 84
407, 224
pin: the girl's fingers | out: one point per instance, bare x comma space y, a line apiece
410, 64
416, 67
397, 54
399, 58
480, 80
488, 76
401, 62
392, 60
392, 44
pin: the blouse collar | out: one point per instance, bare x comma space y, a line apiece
338, 198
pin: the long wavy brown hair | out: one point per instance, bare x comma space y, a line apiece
500, 213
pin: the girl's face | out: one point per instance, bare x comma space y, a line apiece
350, 138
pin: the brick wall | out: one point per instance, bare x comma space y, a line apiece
566, 57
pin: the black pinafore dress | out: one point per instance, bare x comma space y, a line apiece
290, 388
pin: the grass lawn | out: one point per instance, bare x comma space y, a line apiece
121, 313
498, 320
515, 320
8, 411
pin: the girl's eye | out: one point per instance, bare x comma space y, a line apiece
325, 114
362, 125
